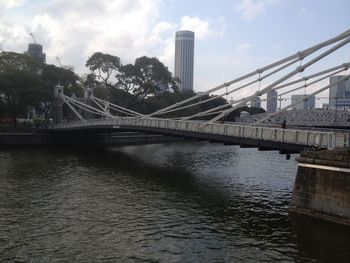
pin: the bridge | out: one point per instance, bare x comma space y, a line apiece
95, 114
265, 138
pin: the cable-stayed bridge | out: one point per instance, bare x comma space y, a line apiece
285, 76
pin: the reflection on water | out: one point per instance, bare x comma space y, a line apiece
184, 202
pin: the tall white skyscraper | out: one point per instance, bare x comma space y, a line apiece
184, 56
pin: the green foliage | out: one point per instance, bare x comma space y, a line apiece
25, 82
14, 61
147, 77
103, 66
20, 89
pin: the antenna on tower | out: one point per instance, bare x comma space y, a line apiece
34, 40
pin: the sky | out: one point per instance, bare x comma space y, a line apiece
232, 37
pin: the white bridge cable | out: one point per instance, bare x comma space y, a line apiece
343, 66
73, 109
209, 110
299, 55
282, 79
120, 107
87, 107
107, 106
346, 77
239, 88
228, 92
97, 103
303, 86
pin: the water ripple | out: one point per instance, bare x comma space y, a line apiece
157, 203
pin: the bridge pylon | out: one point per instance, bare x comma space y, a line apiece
88, 93
57, 106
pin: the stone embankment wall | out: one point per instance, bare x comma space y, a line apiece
24, 138
322, 185
37, 137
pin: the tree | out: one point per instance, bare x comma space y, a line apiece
155, 77
12, 60
20, 83
103, 66
147, 77
89, 80
20, 89
128, 78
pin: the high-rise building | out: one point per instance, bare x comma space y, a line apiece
339, 95
304, 104
36, 51
184, 57
256, 103
271, 104
311, 103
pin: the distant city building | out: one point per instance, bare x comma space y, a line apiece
304, 104
184, 58
36, 51
311, 103
339, 95
325, 106
256, 103
271, 104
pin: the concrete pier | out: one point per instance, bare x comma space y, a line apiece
322, 185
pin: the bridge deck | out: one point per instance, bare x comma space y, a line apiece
307, 138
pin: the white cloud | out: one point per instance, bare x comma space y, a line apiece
8, 4
128, 29
74, 30
164, 27
242, 48
200, 27
251, 8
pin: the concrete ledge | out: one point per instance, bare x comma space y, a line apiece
318, 215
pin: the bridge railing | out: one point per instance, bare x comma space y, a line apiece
320, 139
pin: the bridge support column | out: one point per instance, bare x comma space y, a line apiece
88, 92
322, 185
57, 106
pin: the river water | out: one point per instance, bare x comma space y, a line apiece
183, 202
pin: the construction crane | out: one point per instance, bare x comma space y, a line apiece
31, 34
59, 62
